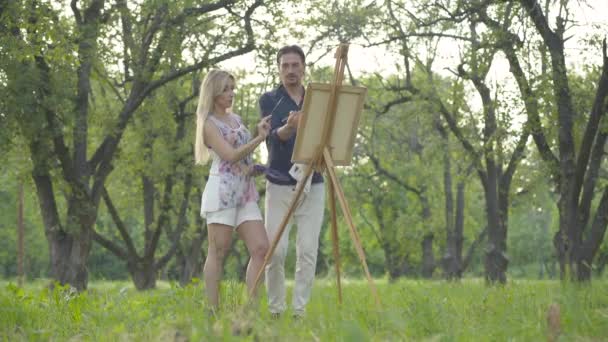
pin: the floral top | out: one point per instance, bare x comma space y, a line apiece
229, 185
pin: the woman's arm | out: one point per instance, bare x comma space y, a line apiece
215, 140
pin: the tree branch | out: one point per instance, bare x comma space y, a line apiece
61, 149
109, 245
88, 32
531, 105
163, 218
561, 91
517, 155
535, 12
598, 228
181, 224
472, 247
392, 177
76, 11
127, 37
122, 229
206, 8
249, 46
148, 36
449, 118
597, 112
591, 179
371, 226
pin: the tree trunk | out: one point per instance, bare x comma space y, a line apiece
575, 171
144, 274
191, 266
69, 247
396, 267
68, 255
428, 258
448, 261
561, 241
543, 260
148, 192
459, 229
192, 258
602, 260
495, 260
453, 264
595, 236
395, 263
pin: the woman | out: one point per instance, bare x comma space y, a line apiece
229, 201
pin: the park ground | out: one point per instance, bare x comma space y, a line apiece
410, 310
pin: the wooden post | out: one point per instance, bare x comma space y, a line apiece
349, 220
334, 237
20, 237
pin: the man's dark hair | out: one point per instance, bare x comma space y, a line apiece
291, 49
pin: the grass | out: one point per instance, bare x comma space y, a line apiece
411, 310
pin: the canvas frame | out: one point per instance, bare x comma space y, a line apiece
341, 140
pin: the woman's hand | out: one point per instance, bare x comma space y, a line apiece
257, 170
264, 127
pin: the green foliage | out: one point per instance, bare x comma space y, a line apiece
35, 247
340, 21
14, 169
533, 223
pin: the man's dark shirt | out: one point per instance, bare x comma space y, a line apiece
278, 104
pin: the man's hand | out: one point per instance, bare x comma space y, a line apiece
290, 127
293, 119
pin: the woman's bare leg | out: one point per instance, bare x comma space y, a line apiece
220, 239
256, 240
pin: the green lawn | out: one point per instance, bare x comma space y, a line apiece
411, 310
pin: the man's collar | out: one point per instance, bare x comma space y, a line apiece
283, 91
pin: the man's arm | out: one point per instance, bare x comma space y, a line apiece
280, 130
290, 128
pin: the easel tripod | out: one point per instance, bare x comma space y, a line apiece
322, 161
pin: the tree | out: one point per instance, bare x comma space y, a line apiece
403, 134
491, 161
161, 156
574, 159
57, 90
454, 263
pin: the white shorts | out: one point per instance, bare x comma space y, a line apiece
235, 216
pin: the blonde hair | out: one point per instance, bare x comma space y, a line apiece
213, 85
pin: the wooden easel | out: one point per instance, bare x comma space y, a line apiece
322, 161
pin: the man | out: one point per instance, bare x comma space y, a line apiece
284, 104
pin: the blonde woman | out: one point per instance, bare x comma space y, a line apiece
230, 198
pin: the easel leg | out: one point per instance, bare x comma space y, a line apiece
349, 219
277, 237
334, 237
